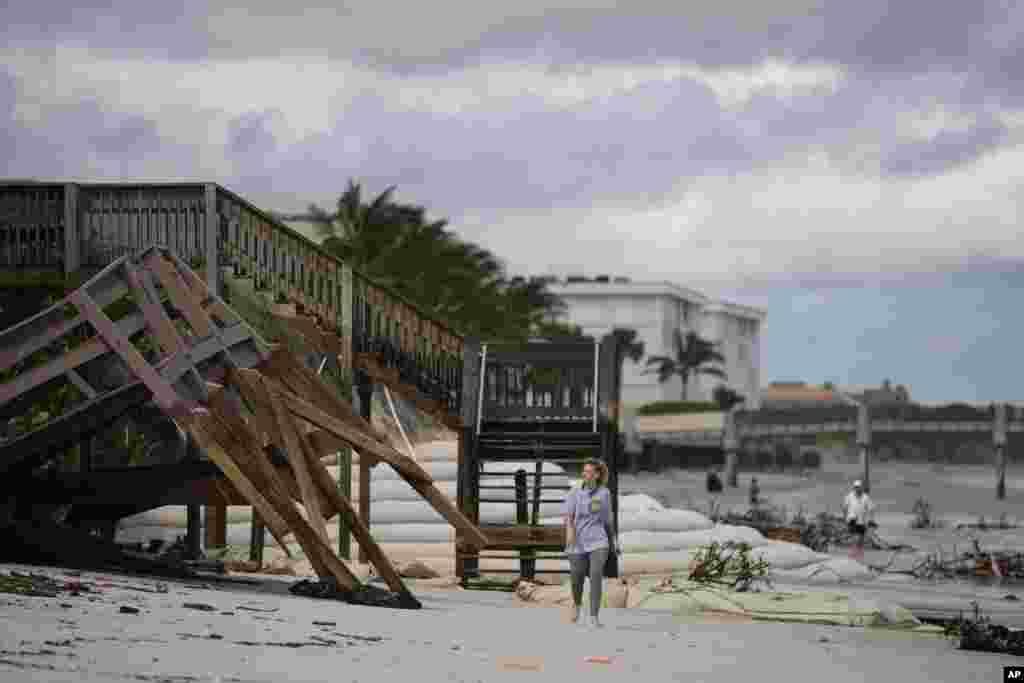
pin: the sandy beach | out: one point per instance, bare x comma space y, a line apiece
184, 632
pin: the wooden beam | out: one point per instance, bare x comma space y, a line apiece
170, 278
360, 530
163, 393
365, 444
202, 430
284, 367
90, 350
409, 470
250, 385
289, 439
159, 322
323, 559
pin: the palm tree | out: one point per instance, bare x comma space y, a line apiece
694, 355
726, 398
629, 346
457, 281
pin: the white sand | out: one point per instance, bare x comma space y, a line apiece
459, 636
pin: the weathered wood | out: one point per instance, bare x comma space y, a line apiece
290, 441
365, 391
216, 530
170, 278
368, 447
156, 317
250, 384
116, 341
203, 431
411, 471
368, 363
360, 530
256, 539
285, 368
87, 351
323, 559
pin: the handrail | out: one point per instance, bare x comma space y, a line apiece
269, 218
320, 251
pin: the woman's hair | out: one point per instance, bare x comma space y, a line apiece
602, 470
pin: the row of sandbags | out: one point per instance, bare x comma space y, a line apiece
654, 539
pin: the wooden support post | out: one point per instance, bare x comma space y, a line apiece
211, 229
730, 444
864, 444
216, 517
257, 537
85, 453
72, 238
345, 489
527, 563
999, 442
193, 542
365, 389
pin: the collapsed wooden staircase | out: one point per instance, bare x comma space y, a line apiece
258, 413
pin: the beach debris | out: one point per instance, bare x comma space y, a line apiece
202, 607
598, 659
1000, 524
367, 595
417, 570
979, 634
728, 564
520, 663
251, 608
127, 609
975, 562
923, 516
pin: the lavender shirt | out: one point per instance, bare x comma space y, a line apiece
590, 510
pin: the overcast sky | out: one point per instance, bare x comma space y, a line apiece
854, 166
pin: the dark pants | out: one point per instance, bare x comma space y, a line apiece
588, 564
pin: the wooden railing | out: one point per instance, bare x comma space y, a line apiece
87, 226
552, 381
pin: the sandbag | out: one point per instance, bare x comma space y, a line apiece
783, 555
638, 502
432, 451
668, 519
417, 569
834, 571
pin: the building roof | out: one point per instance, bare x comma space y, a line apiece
591, 288
793, 393
736, 310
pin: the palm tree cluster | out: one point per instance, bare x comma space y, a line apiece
396, 245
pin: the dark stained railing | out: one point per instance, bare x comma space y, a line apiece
553, 381
87, 226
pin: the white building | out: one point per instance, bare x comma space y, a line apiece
654, 310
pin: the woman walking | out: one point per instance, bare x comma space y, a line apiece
588, 535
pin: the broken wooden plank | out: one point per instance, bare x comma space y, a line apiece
163, 329
409, 469
359, 529
203, 431
354, 436
163, 393
170, 279
318, 551
289, 440
284, 367
250, 385
87, 351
